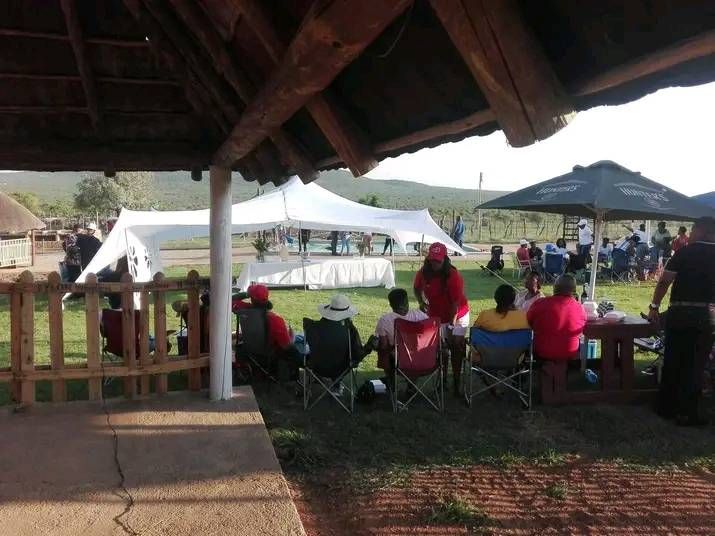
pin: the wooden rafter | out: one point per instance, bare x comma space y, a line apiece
330, 38
695, 47
100, 79
74, 30
348, 140
508, 65
109, 41
224, 62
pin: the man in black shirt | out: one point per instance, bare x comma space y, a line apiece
689, 325
88, 245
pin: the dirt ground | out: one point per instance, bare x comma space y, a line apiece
576, 498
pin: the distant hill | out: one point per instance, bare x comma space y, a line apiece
175, 190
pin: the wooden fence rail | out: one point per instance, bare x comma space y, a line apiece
139, 361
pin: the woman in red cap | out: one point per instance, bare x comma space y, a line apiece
278, 335
439, 289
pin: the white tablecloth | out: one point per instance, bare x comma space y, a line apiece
320, 273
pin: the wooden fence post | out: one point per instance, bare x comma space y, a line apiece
57, 350
129, 338
161, 380
27, 336
144, 358
194, 328
91, 305
15, 335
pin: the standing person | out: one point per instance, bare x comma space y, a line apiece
640, 233
303, 239
88, 244
689, 325
367, 243
585, 238
439, 289
681, 240
458, 231
333, 243
388, 243
73, 260
661, 241
344, 242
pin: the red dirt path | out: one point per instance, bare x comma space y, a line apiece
602, 499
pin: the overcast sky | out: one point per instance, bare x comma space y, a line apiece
667, 136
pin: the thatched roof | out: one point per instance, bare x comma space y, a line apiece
274, 86
14, 218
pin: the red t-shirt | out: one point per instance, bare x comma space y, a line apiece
523, 255
679, 242
278, 335
557, 321
441, 296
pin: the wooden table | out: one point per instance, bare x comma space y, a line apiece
616, 345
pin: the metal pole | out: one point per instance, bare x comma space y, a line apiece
221, 386
479, 210
598, 232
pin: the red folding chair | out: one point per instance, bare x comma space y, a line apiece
418, 361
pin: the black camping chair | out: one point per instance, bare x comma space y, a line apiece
252, 348
496, 263
330, 357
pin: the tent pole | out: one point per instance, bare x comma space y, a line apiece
598, 232
220, 311
300, 254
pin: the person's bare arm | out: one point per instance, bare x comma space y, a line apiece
420, 299
661, 289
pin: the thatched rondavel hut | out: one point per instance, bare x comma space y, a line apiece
15, 218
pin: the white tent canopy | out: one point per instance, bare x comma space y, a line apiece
139, 234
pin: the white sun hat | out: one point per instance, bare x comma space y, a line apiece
583, 221
523, 242
339, 308
92, 226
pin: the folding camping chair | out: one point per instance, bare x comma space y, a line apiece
553, 266
418, 361
329, 363
519, 267
504, 359
621, 269
110, 328
252, 346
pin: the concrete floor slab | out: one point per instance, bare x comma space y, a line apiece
190, 466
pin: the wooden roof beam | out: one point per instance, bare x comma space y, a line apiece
74, 30
76, 78
508, 65
349, 141
110, 41
329, 39
224, 62
698, 46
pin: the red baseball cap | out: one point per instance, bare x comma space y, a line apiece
437, 252
258, 293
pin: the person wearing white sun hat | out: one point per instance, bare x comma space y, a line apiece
340, 309
585, 237
88, 244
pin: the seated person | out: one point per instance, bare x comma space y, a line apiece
505, 316
341, 310
605, 250
523, 253
279, 338
535, 255
531, 293
385, 329
114, 276
558, 322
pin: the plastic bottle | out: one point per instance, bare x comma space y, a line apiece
584, 294
591, 376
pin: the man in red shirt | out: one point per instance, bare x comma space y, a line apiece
558, 322
523, 253
278, 336
680, 241
439, 289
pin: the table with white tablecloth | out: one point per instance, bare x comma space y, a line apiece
320, 273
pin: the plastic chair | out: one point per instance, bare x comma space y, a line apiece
330, 357
418, 361
252, 345
519, 267
505, 358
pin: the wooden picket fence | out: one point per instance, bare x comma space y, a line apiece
137, 366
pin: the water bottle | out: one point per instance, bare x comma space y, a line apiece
591, 376
584, 294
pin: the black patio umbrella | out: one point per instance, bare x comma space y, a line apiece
607, 192
707, 199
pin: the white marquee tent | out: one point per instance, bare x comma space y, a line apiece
139, 234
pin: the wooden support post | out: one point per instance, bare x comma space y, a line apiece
57, 350
129, 339
221, 386
509, 66
194, 328
91, 307
27, 336
144, 357
161, 385
15, 336
330, 38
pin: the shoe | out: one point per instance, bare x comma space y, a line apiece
650, 370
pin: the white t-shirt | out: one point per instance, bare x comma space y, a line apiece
523, 301
642, 235
585, 236
386, 324
606, 252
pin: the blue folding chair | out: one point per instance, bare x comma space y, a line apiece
554, 265
505, 358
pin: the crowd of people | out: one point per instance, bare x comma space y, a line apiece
80, 247
557, 321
